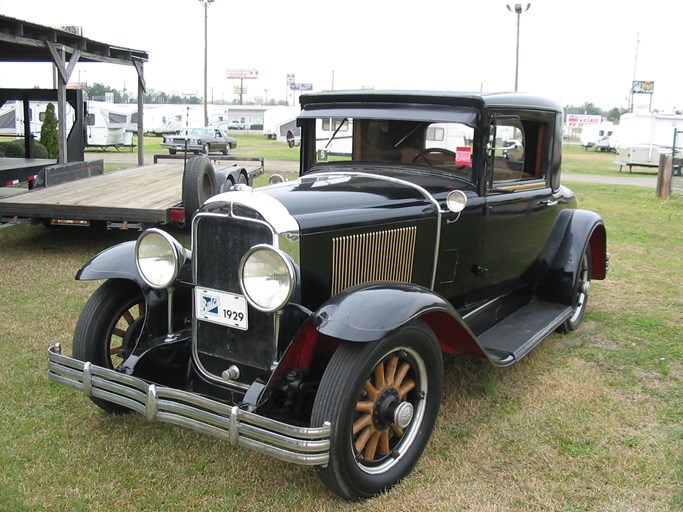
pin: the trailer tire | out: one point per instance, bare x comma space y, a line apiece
199, 183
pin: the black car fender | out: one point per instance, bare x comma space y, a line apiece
118, 262
574, 231
370, 313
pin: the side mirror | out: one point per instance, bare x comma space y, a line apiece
292, 140
275, 179
456, 201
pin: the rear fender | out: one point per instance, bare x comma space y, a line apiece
582, 229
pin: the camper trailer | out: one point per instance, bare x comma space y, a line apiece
12, 117
110, 125
643, 137
600, 137
277, 121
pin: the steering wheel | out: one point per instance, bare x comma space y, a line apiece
433, 151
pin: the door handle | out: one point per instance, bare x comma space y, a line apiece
548, 202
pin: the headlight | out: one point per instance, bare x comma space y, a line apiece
267, 278
158, 257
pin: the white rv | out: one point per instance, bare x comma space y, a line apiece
277, 121
643, 137
600, 137
110, 124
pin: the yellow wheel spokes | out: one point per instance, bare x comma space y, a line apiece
368, 440
118, 333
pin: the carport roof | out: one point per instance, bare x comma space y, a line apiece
23, 41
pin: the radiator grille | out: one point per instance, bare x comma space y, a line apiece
379, 256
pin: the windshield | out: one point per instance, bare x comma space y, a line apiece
446, 145
198, 132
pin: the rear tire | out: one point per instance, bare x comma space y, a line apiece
382, 400
581, 290
108, 328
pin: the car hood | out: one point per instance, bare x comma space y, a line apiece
342, 200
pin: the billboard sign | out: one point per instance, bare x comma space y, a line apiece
290, 78
643, 87
581, 120
242, 73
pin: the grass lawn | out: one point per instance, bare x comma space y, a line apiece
590, 421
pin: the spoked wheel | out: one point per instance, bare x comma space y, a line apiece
108, 328
581, 290
382, 400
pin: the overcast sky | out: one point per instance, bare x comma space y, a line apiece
573, 52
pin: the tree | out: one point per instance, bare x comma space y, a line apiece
49, 133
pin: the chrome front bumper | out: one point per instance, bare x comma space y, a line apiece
300, 445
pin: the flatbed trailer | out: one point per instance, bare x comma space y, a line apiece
156, 194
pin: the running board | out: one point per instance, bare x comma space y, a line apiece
513, 337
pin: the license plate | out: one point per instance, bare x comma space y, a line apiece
221, 308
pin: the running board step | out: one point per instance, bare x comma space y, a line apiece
513, 337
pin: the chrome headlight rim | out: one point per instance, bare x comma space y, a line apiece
291, 278
174, 252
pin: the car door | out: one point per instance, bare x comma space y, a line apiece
218, 142
520, 203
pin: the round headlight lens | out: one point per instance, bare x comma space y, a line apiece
267, 278
158, 257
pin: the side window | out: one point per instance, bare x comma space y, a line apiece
516, 149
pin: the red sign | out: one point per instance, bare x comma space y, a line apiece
463, 156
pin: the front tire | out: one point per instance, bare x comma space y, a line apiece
108, 328
382, 400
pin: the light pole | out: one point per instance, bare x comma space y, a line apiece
518, 11
206, 57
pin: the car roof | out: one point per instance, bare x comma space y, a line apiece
444, 98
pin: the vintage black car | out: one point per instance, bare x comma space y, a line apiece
310, 319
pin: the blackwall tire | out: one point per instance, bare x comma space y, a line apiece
581, 291
108, 327
382, 400
199, 183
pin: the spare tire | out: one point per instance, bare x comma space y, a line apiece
199, 183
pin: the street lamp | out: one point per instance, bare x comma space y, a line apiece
518, 11
206, 59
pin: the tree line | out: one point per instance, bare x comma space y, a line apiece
98, 91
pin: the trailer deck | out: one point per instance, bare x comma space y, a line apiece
143, 194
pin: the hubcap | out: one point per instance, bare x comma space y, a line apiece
384, 413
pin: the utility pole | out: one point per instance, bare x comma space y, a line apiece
206, 58
518, 11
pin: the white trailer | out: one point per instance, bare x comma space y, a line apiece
12, 117
600, 137
277, 121
110, 125
643, 137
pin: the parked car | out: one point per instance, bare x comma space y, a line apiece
309, 319
199, 140
236, 125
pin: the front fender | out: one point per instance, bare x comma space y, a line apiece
372, 312
118, 262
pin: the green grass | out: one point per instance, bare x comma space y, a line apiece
590, 421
